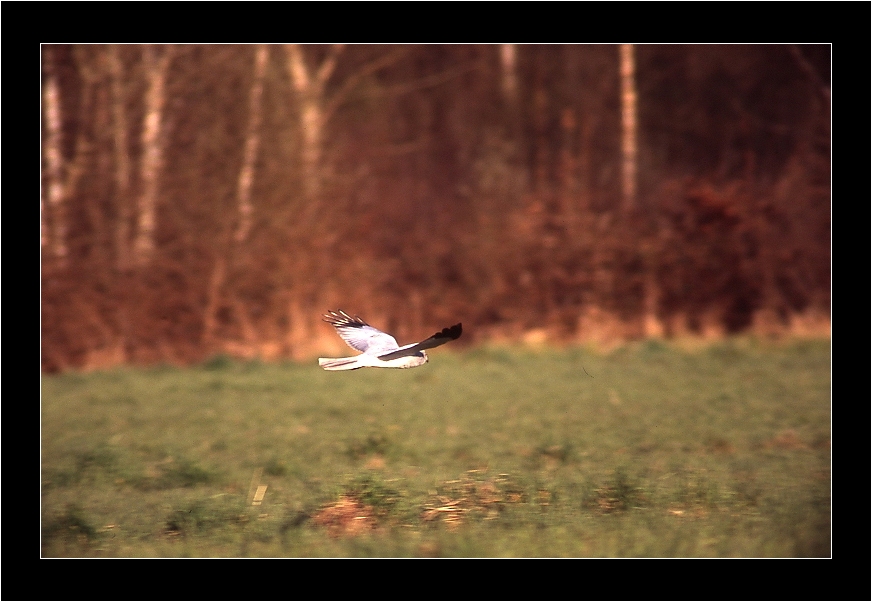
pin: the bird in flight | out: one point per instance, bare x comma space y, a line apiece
379, 349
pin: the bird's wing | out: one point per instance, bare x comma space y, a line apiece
359, 335
440, 338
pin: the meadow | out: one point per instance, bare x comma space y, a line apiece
647, 450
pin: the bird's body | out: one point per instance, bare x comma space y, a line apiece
379, 349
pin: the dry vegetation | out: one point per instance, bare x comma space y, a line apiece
346, 517
216, 199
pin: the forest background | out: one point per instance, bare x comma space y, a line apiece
207, 199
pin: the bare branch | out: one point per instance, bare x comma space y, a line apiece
297, 67
329, 64
810, 71
433, 80
350, 83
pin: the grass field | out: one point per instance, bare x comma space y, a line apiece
723, 451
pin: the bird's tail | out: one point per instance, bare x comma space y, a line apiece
339, 363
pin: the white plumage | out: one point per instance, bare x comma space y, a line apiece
379, 349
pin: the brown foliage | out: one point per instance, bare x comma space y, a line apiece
470, 496
347, 517
441, 195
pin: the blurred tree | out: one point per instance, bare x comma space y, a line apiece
53, 236
204, 198
310, 85
60, 175
120, 133
629, 146
252, 144
156, 61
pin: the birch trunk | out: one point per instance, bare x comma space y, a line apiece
122, 158
628, 125
652, 326
252, 144
509, 65
53, 228
156, 68
310, 85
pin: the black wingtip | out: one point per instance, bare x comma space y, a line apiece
452, 333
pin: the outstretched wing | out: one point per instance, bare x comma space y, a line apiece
440, 338
359, 335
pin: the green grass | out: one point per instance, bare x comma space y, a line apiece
718, 452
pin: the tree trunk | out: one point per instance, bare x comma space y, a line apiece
509, 64
122, 158
53, 227
156, 68
310, 87
629, 127
252, 144
512, 123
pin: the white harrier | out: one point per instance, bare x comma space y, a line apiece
379, 349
